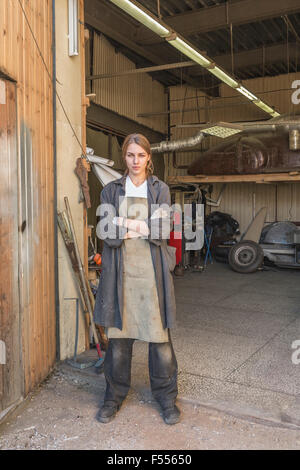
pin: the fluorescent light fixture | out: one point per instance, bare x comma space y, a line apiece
147, 19
247, 93
73, 27
265, 107
189, 51
222, 129
224, 77
141, 16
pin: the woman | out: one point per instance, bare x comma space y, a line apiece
135, 298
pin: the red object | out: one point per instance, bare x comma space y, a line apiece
99, 350
177, 243
97, 258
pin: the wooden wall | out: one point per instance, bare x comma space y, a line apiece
10, 366
21, 62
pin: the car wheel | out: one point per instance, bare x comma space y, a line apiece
246, 257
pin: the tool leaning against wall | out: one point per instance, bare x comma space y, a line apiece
66, 226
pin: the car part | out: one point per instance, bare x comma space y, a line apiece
246, 256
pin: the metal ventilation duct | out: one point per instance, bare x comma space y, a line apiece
171, 146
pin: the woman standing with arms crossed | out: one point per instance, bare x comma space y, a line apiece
135, 298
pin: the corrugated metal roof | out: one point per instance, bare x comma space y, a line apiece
173, 7
218, 43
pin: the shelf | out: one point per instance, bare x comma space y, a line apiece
262, 178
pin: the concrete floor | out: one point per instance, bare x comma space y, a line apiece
238, 386
234, 341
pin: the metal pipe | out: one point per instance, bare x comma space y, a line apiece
57, 306
294, 139
172, 146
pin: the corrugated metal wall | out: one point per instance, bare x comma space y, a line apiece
186, 105
127, 95
241, 200
20, 60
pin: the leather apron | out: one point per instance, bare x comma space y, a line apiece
141, 312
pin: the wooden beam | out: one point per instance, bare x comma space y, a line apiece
265, 178
83, 140
219, 17
155, 68
254, 57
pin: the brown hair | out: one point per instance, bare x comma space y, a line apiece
141, 140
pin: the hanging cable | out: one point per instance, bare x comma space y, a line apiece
158, 9
231, 46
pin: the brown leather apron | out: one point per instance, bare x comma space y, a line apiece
141, 313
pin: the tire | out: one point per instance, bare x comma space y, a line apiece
246, 257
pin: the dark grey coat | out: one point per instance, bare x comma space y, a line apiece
108, 309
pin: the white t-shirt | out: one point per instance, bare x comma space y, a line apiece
135, 191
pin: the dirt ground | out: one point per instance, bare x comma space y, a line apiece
60, 414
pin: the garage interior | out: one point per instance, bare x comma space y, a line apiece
236, 332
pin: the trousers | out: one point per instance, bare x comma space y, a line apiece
163, 370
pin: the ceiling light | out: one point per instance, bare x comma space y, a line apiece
247, 93
189, 51
224, 77
265, 107
147, 19
222, 129
143, 17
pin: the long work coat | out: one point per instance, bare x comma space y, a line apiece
108, 309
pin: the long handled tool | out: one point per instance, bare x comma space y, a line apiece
65, 222
74, 362
207, 238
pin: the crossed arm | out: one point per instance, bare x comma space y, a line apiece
156, 228
136, 228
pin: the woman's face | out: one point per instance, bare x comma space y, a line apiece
136, 160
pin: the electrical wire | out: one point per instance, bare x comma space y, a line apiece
49, 75
233, 96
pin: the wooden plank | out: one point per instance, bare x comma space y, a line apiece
51, 219
154, 68
43, 160
265, 178
20, 59
4, 230
10, 371
83, 141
